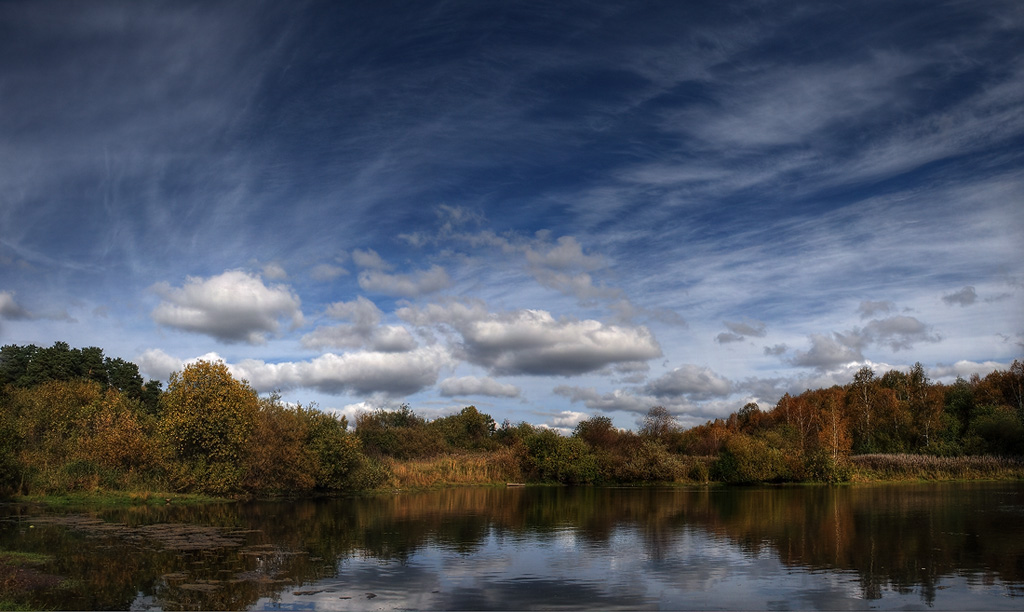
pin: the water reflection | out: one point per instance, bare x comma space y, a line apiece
945, 546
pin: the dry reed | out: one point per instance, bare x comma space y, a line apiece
905, 466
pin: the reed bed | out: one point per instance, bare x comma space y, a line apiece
501, 466
905, 466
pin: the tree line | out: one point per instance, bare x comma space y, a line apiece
73, 419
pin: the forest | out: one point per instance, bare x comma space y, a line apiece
74, 420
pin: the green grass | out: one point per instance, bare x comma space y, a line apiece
21, 559
8, 604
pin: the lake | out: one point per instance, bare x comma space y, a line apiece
910, 546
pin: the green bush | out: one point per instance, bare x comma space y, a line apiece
553, 458
821, 466
747, 460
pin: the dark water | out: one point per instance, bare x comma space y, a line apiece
944, 546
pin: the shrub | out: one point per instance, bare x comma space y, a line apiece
747, 460
821, 466
554, 458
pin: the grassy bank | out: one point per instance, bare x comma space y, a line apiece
115, 499
502, 467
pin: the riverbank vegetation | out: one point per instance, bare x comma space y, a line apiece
75, 421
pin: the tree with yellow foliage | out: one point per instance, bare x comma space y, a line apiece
207, 418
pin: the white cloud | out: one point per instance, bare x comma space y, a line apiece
569, 419
613, 401
827, 352
964, 297
534, 342
457, 314
369, 259
898, 332
360, 311
387, 338
364, 332
361, 372
154, 363
419, 283
471, 385
232, 307
692, 381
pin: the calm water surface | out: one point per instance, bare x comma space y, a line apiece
944, 546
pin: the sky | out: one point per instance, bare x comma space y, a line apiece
551, 210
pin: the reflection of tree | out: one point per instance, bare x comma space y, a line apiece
899, 538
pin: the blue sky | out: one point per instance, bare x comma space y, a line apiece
548, 210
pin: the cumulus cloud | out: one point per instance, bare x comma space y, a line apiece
453, 313
534, 342
691, 381
360, 372
369, 259
387, 338
564, 267
232, 307
10, 309
612, 401
154, 363
569, 419
898, 332
827, 351
639, 403
471, 385
365, 330
419, 283
776, 350
964, 297
830, 351
360, 311
368, 373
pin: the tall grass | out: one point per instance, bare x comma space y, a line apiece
927, 467
500, 466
